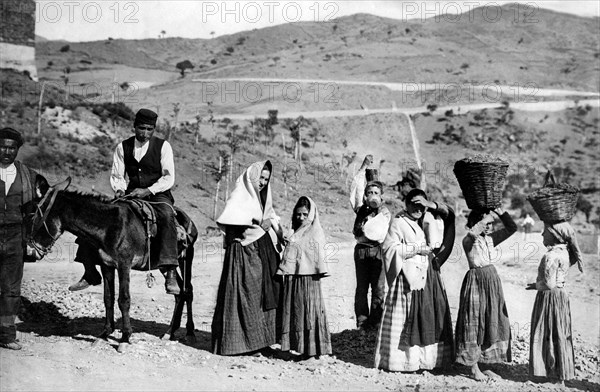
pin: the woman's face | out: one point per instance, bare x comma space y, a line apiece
264, 178
489, 228
415, 211
301, 215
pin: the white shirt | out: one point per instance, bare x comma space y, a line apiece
117, 175
8, 175
357, 189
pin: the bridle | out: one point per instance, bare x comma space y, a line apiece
43, 250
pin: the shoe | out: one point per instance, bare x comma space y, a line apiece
11, 346
171, 285
81, 285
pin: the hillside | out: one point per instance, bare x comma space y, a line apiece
361, 47
549, 49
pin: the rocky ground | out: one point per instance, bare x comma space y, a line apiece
57, 329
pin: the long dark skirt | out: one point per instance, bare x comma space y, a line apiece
551, 343
429, 320
482, 329
304, 320
244, 320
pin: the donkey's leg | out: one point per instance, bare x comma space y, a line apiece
189, 326
175, 319
189, 294
178, 310
124, 304
108, 274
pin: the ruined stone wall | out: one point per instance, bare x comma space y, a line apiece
17, 35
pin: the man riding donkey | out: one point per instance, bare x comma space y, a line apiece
17, 190
149, 165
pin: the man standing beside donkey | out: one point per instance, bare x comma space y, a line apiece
17, 190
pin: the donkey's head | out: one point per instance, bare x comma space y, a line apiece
46, 224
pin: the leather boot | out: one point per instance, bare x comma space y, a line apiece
171, 285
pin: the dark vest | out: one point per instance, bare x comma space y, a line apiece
146, 172
10, 205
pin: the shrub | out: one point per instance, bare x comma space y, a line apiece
65, 48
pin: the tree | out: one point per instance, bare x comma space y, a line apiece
198, 118
211, 117
183, 65
212, 34
174, 115
234, 143
584, 206
296, 127
264, 127
65, 76
315, 131
162, 34
273, 117
218, 172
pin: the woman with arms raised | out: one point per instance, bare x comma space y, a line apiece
416, 330
483, 328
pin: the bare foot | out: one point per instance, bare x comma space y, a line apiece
492, 375
477, 374
560, 383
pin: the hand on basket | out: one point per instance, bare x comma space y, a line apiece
530, 286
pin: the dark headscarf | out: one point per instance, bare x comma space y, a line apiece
565, 234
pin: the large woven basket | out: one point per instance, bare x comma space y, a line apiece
481, 179
554, 202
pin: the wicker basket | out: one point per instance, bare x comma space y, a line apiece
554, 202
481, 179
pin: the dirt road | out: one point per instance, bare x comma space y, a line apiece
58, 328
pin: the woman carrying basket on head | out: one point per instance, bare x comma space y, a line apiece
482, 328
551, 343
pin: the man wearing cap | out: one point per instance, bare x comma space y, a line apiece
150, 168
17, 190
370, 228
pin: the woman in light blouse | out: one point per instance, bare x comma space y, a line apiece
551, 343
482, 327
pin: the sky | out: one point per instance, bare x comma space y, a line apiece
73, 20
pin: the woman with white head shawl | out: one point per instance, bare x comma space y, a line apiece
551, 344
304, 320
247, 299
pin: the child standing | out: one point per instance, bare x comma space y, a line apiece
304, 320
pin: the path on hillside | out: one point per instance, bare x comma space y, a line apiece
525, 90
499, 92
548, 106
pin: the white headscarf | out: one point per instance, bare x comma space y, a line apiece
245, 208
305, 252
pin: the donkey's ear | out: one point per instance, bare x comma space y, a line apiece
63, 185
41, 186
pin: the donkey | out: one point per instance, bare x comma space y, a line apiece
120, 235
